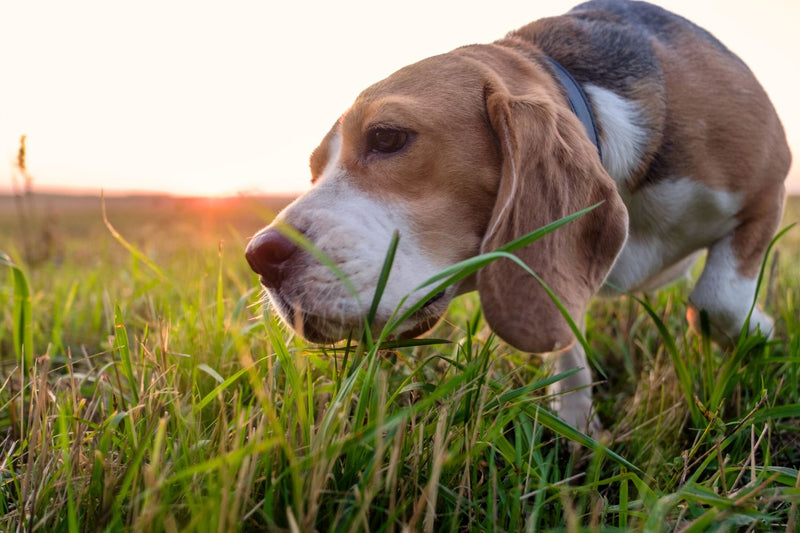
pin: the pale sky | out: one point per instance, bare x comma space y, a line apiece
218, 98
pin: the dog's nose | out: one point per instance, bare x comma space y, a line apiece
267, 252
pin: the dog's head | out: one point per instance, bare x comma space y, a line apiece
459, 153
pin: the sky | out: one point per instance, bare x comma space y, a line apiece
200, 98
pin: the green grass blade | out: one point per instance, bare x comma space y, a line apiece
65, 445
761, 272
22, 315
122, 347
220, 299
383, 278
135, 252
681, 369
208, 398
309, 247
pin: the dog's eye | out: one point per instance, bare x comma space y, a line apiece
386, 140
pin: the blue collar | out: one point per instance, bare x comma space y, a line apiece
578, 103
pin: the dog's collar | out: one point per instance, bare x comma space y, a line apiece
578, 102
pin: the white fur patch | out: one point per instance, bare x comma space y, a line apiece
669, 221
623, 139
335, 153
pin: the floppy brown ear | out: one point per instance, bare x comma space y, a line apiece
550, 170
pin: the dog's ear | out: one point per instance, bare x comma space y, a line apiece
550, 170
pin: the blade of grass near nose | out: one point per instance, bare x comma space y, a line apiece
302, 241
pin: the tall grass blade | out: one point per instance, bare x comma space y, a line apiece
762, 270
64, 444
220, 300
216, 391
135, 252
122, 347
22, 315
383, 278
679, 363
309, 247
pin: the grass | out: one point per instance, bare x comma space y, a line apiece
143, 389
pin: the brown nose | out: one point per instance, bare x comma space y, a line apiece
267, 253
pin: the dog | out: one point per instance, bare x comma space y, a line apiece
617, 103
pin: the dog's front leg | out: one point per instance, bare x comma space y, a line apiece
571, 397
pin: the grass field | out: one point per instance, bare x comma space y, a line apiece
143, 389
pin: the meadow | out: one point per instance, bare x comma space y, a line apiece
143, 387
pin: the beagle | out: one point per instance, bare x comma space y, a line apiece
617, 102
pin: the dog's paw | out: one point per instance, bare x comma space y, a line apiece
760, 321
724, 328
